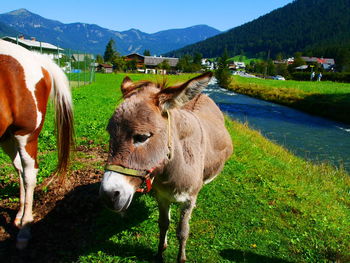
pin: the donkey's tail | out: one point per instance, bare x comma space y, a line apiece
63, 104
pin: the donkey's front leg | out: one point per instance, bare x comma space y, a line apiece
184, 227
163, 223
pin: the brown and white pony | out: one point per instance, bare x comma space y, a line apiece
174, 137
26, 82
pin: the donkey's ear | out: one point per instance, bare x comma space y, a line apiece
178, 96
126, 86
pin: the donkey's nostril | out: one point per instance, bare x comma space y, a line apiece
116, 195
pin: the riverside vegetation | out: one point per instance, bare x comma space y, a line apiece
267, 205
327, 99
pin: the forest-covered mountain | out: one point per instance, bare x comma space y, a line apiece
93, 38
317, 27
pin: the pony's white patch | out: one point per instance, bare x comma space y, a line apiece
18, 163
31, 68
28, 163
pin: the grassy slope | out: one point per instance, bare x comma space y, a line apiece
327, 99
266, 206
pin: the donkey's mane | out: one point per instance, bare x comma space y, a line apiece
140, 85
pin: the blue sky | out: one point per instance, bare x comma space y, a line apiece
149, 16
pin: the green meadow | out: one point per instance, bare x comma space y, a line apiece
324, 98
266, 206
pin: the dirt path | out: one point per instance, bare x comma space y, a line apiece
63, 215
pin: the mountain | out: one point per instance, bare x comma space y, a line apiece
5, 30
93, 38
312, 26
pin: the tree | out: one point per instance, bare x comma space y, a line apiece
110, 51
99, 59
222, 74
119, 63
164, 65
146, 52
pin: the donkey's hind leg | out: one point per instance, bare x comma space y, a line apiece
27, 147
183, 229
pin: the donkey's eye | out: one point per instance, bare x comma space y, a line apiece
140, 138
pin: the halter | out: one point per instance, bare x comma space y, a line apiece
145, 175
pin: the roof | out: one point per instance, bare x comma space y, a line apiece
106, 65
32, 43
319, 60
154, 61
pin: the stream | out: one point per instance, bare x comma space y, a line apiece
310, 137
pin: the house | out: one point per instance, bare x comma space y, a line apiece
149, 64
236, 65
326, 63
106, 68
208, 64
37, 46
287, 61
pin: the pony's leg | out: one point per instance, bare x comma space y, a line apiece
163, 223
28, 153
10, 148
183, 228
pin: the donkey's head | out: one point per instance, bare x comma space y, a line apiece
140, 136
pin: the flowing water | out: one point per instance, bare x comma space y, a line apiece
307, 136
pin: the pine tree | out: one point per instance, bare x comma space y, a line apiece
110, 51
146, 52
222, 74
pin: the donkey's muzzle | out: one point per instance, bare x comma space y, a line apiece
115, 191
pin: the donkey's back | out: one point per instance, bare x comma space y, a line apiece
217, 141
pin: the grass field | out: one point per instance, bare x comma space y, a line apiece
266, 206
325, 98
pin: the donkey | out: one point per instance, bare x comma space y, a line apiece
26, 81
172, 138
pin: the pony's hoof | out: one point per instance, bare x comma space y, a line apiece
17, 222
23, 238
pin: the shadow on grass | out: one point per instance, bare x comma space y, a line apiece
248, 257
74, 228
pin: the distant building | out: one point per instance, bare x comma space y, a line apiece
208, 64
106, 68
149, 64
287, 61
236, 65
326, 63
37, 46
